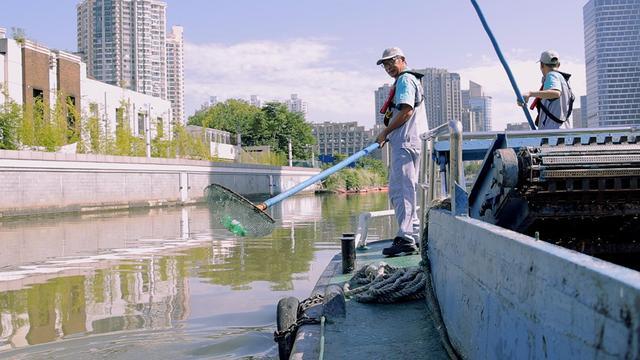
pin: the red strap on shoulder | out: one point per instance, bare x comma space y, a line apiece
387, 103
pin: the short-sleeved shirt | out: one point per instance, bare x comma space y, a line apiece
409, 91
558, 107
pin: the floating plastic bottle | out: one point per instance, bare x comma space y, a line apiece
234, 226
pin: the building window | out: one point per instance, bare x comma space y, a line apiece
71, 116
38, 103
160, 128
141, 124
119, 117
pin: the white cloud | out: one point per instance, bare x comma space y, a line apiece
332, 87
496, 84
275, 70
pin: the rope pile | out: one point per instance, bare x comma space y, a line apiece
385, 284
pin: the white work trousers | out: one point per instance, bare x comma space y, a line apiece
403, 182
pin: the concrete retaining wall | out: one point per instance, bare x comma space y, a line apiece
504, 295
41, 182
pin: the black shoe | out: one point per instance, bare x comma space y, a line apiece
400, 247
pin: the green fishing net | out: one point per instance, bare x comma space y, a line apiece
237, 214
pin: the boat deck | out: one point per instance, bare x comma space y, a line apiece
379, 331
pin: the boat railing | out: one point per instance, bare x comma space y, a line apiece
438, 161
362, 232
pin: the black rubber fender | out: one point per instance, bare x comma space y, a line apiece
287, 315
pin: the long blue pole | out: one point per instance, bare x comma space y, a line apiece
321, 176
504, 63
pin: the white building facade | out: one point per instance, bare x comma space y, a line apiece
29, 71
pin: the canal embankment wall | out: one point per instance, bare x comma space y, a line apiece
41, 182
506, 295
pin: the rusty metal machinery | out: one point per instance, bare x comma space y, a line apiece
581, 193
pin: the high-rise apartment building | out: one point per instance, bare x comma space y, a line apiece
123, 43
295, 104
442, 96
612, 57
175, 72
381, 95
255, 101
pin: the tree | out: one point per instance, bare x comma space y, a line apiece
10, 116
97, 139
232, 115
275, 126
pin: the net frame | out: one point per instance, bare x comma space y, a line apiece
226, 202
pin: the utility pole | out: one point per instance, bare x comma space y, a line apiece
238, 145
290, 154
147, 131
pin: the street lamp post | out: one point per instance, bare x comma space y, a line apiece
147, 131
290, 153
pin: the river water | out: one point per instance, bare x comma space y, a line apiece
166, 283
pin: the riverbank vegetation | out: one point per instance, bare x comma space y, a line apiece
368, 173
61, 127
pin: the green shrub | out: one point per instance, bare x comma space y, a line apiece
10, 116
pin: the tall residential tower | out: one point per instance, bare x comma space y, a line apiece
295, 104
442, 96
175, 73
123, 43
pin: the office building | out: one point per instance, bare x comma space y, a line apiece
612, 58
175, 72
576, 118
471, 120
340, 138
478, 105
581, 120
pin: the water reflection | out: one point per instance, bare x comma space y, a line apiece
159, 275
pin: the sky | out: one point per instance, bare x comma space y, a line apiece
325, 51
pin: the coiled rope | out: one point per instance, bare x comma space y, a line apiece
382, 283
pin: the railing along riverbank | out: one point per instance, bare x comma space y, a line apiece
40, 182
